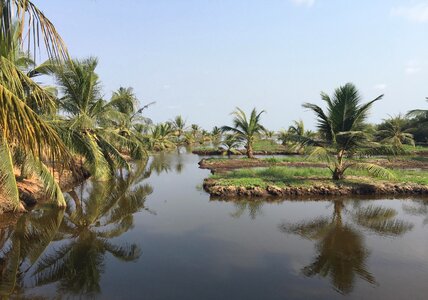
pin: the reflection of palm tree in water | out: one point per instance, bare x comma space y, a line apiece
254, 208
86, 230
164, 163
341, 250
417, 208
22, 244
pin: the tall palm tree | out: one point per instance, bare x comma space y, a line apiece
91, 127
342, 134
21, 98
246, 129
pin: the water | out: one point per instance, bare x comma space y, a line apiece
157, 235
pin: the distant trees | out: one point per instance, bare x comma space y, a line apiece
391, 131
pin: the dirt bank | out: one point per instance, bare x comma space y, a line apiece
322, 188
242, 152
32, 191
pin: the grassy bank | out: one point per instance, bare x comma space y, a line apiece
303, 176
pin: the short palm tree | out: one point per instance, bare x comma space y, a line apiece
231, 142
392, 132
179, 125
342, 135
246, 129
160, 137
216, 135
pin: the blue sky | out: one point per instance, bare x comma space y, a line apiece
202, 58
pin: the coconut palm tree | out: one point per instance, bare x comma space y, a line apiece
216, 135
160, 137
392, 132
246, 129
21, 98
342, 135
341, 252
231, 142
95, 129
179, 125
195, 130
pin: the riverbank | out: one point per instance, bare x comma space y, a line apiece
321, 188
277, 181
32, 191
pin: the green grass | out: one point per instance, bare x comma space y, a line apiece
301, 176
268, 145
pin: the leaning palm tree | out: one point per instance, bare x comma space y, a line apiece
92, 127
21, 98
246, 129
342, 135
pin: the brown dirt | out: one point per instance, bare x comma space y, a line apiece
31, 190
321, 189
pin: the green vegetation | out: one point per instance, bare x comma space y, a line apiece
342, 135
307, 176
246, 129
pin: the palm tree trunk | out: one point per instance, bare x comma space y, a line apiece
250, 151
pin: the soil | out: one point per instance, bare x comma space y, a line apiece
321, 189
31, 190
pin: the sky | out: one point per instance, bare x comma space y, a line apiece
202, 58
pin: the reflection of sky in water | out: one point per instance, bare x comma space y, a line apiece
194, 248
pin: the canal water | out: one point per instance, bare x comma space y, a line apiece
155, 234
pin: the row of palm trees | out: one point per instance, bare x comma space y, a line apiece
343, 135
45, 130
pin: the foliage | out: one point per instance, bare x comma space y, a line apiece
341, 133
245, 128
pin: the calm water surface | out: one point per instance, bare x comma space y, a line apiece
157, 235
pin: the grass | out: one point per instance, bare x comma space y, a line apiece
268, 145
302, 176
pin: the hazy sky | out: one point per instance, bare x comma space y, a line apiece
202, 58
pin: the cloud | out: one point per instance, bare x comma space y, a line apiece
307, 3
380, 86
417, 13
